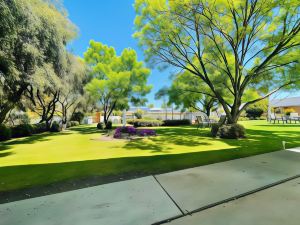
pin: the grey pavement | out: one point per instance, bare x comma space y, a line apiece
185, 197
278, 205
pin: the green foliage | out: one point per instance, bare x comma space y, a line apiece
176, 122
77, 116
289, 111
115, 80
5, 133
33, 36
254, 113
72, 123
232, 131
39, 128
22, 130
108, 125
139, 114
55, 127
100, 126
189, 92
145, 123
236, 47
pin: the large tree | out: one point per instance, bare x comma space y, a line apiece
43, 93
187, 91
229, 45
33, 34
72, 84
116, 81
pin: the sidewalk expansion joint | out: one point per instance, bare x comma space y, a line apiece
169, 195
224, 201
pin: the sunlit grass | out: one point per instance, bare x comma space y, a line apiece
79, 152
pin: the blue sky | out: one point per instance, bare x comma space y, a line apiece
110, 22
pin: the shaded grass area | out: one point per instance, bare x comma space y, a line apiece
49, 158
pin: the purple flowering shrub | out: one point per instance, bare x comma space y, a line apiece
131, 131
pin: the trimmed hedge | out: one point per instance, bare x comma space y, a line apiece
22, 130
55, 127
253, 113
144, 123
77, 116
72, 123
5, 132
39, 128
184, 122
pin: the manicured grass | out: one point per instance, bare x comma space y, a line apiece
47, 158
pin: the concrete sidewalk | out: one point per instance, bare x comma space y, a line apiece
175, 196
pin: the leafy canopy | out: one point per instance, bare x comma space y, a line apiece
232, 45
116, 81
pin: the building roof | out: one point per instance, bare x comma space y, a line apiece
285, 102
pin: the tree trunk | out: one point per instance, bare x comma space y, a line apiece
5, 110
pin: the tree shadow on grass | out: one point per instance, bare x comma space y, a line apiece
73, 175
6, 145
26, 181
190, 137
87, 130
279, 125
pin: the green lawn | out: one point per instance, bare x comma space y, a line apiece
47, 158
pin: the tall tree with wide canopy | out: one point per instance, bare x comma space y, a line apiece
232, 45
116, 81
187, 91
33, 35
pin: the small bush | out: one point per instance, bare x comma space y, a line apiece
100, 126
55, 127
144, 123
176, 122
289, 111
22, 130
74, 123
108, 125
232, 131
214, 130
254, 113
77, 116
39, 128
5, 133
138, 115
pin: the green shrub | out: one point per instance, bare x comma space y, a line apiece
243, 118
77, 116
39, 128
68, 124
55, 127
254, 113
214, 130
232, 131
144, 123
138, 115
22, 130
176, 122
108, 125
100, 126
74, 123
5, 133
